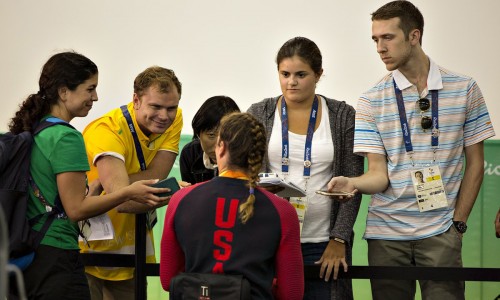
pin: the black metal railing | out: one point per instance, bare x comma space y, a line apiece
143, 269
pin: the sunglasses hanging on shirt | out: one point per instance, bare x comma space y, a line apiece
423, 105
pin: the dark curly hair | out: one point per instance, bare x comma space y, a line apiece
65, 69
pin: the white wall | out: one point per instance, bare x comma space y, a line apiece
229, 46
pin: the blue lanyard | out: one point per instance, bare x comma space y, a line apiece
137, 144
285, 149
151, 218
404, 122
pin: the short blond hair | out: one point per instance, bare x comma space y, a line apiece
157, 76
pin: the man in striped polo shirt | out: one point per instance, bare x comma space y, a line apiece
416, 126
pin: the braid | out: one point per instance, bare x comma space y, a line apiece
245, 138
254, 160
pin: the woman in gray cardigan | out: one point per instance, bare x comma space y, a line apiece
312, 142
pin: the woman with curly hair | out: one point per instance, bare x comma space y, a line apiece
67, 89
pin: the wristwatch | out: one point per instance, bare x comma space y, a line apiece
460, 226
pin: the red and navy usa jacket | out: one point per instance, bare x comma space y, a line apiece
203, 234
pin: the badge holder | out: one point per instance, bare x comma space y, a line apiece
429, 188
300, 204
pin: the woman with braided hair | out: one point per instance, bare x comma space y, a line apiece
228, 225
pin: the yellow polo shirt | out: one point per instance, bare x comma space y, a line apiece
110, 135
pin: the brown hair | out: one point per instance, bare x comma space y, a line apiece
65, 69
304, 48
245, 139
409, 16
163, 78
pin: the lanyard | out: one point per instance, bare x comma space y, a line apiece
284, 137
404, 121
150, 215
137, 144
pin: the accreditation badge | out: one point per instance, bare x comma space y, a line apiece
429, 188
300, 204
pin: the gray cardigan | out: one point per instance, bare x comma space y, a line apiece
345, 163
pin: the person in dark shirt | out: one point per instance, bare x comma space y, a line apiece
228, 225
197, 159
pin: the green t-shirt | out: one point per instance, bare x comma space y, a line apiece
56, 149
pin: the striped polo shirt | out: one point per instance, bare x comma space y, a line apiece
463, 121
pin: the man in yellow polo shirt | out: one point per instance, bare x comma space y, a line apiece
114, 160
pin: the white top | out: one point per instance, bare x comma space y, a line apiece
316, 227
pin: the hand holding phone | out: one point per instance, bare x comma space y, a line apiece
335, 193
170, 183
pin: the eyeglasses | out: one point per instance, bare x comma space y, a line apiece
423, 105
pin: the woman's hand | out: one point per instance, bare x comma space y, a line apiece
331, 260
183, 184
141, 191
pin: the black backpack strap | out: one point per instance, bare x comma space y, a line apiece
41, 234
50, 121
57, 208
52, 211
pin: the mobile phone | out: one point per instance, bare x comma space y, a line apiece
170, 183
335, 193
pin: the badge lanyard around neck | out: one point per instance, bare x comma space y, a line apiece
151, 217
406, 129
285, 148
137, 144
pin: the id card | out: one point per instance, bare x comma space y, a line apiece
300, 204
429, 188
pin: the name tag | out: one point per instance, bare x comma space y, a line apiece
429, 188
300, 204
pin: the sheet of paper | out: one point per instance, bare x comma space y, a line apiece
100, 228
